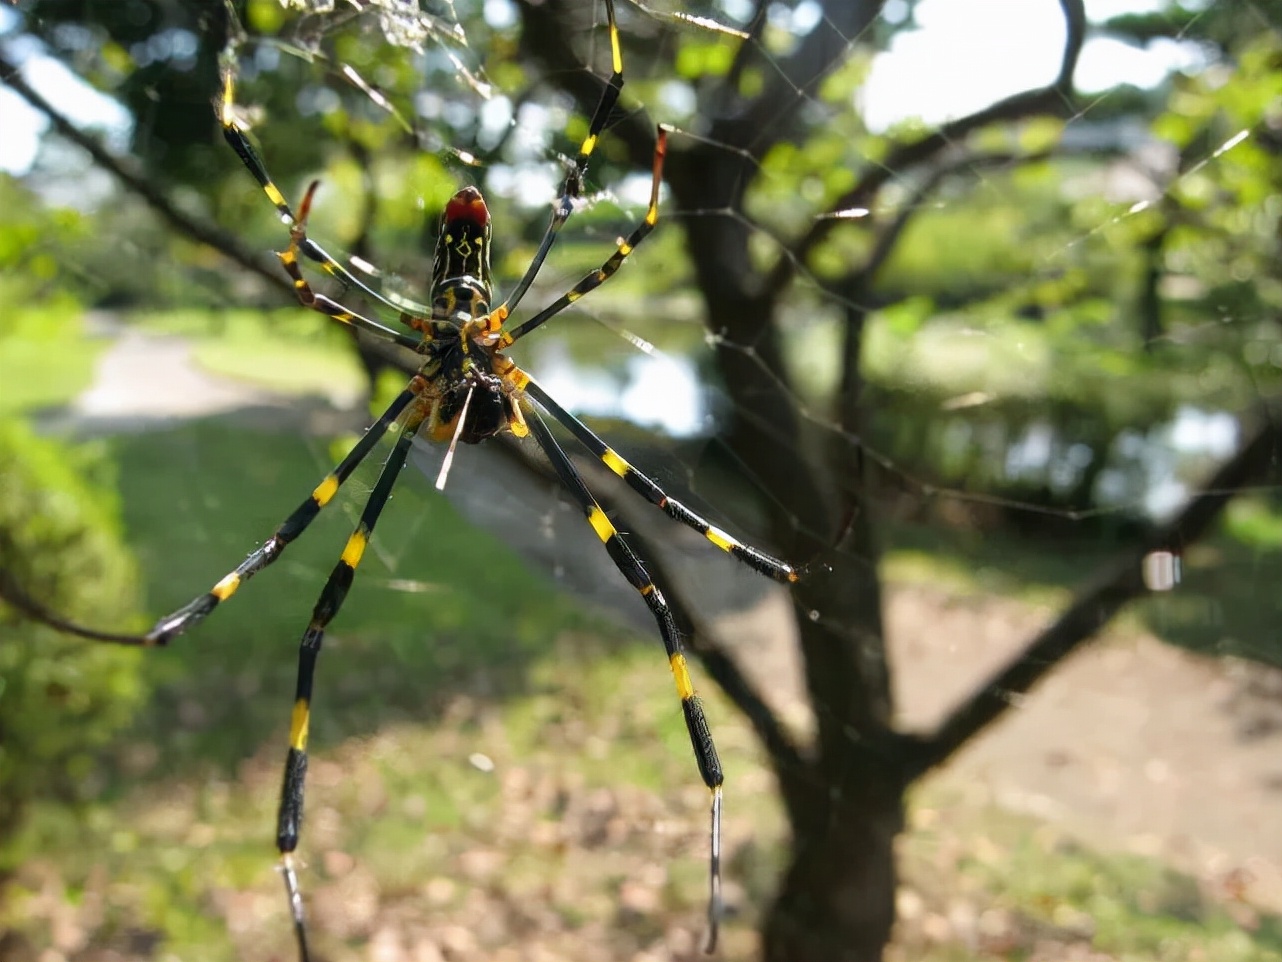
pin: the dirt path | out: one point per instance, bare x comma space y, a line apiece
1132, 743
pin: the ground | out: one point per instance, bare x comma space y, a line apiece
1132, 745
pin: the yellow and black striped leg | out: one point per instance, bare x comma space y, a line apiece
290, 815
599, 276
299, 241
705, 752
319, 302
186, 617
573, 185
754, 558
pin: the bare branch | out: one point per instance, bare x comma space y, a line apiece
226, 244
888, 236
756, 24
1056, 99
1097, 605
15, 596
774, 115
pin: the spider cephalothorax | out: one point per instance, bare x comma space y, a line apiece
461, 266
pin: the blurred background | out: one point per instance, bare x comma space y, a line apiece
970, 310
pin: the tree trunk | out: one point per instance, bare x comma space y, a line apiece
844, 801
836, 902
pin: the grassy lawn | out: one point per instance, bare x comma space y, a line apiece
496, 773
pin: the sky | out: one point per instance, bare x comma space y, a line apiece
965, 55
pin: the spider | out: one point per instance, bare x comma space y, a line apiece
466, 390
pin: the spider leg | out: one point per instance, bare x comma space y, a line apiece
298, 239
290, 815
597, 277
573, 185
180, 621
645, 486
326, 305
625, 559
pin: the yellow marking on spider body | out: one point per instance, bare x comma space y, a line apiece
573, 296
624, 250
325, 490
355, 548
601, 524
685, 688
298, 725
721, 539
589, 145
274, 194
615, 463
651, 216
227, 587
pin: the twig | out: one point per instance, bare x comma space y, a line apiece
1055, 99
221, 241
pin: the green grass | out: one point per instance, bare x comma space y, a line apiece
446, 648
289, 350
435, 599
587, 836
1028, 884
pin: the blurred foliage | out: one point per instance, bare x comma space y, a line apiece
44, 357
60, 699
1068, 287
1064, 288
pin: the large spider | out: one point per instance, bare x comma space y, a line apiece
465, 390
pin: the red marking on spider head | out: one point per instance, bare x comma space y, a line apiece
468, 205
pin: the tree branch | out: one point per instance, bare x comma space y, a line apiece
1097, 605
774, 115
221, 241
545, 39
756, 25
1055, 99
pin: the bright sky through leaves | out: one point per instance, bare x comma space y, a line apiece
963, 56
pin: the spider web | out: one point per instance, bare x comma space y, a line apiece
972, 374
1015, 439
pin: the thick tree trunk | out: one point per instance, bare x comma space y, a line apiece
844, 797
836, 902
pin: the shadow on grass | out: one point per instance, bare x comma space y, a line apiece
469, 717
